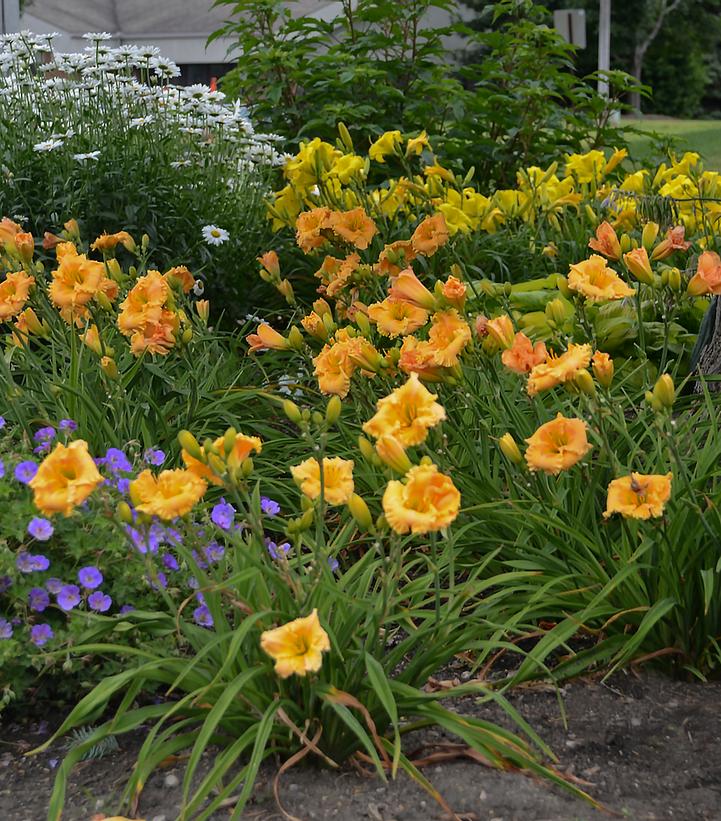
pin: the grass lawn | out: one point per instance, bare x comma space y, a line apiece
703, 136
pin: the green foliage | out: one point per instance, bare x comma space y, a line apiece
382, 66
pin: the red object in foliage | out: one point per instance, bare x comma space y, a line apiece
213, 83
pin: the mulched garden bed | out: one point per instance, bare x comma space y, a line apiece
647, 746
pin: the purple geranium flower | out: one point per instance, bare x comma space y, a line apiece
154, 456
160, 581
277, 550
6, 629
2, 422
116, 460
123, 486
90, 577
69, 596
25, 471
214, 552
38, 599
28, 563
41, 634
127, 608
2, 467
40, 529
269, 506
68, 425
170, 562
99, 601
54, 586
5, 583
201, 616
193, 583
222, 514
333, 563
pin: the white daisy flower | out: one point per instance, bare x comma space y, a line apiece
198, 288
139, 122
90, 155
97, 36
47, 145
214, 235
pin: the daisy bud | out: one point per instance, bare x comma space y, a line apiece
510, 449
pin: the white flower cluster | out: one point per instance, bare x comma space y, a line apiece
72, 104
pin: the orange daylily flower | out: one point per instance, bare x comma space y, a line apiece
354, 226
424, 502
337, 479
309, 227
65, 479
171, 494
297, 647
14, 293
557, 370
396, 317
606, 241
557, 445
596, 281
266, 339
430, 235
523, 355
707, 279
638, 496
406, 414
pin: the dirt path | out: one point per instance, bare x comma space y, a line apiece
649, 746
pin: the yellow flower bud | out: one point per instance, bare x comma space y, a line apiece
110, 369
361, 320
202, 306
664, 391
189, 443
591, 215
392, 453
649, 234
639, 265
124, 513
333, 410
509, 449
359, 511
306, 520
674, 279
368, 451
114, 269
285, 289
317, 417
625, 243
187, 335
345, 137
562, 285
556, 311
295, 337
247, 466
584, 382
229, 440
216, 464
603, 368
103, 301
292, 411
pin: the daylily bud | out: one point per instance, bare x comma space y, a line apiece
295, 337
664, 391
361, 320
124, 513
591, 215
649, 234
584, 382
562, 285
229, 440
603, 368
317, 417
103, 301
368, 451
306, 520
359, 511
189, 443
345, 137
625, 242
674, 279
114, 269
509, 449
638, 264
333, 410
292, 411
285, 289
246, 467
392, 453
186, 336
216, 464
556, 311
202, 306
110, 369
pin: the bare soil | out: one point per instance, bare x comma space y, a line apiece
647, 746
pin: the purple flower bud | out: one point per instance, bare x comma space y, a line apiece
38, 599
68, 597
6, 629
277, 551
41, 634
25, 471
99, 601
2, 467
127, 608
90, 577
68, 425
5, 583
40, 529
2, 422
170, 562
